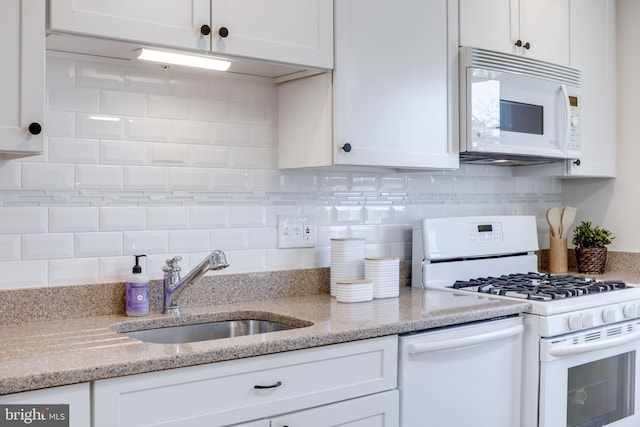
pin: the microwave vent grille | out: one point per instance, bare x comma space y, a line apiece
498, 61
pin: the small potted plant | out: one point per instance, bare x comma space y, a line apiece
590, 245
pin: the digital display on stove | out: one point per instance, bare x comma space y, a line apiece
485, 228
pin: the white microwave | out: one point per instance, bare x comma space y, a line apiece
516, 110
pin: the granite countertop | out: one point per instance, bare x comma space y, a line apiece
45, 354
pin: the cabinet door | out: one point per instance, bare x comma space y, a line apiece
500, 24
593, 47
544, 24
490, 24
22, 43
395, 83
170, 22
290, 31
378, 410
76, 396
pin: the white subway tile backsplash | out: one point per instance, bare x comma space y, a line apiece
169, 107
208, 156
100, 75
229, 239
23, 274
165, 153
253, 114
23, 220
254, 158
209, 217
123, 152
60, 71
264, 180
122, 218
145, 242
231, 134
230, 180
115, 269
72, 219
102, 244
146, 178
59, 123
247, 216
71, 98
262, 238
191, 131
47, 246
123, 103
73, 150
210, 110
246, 261
99, 126
167, 218
146, 129
283, 259
101, 177
263, 136
188, 241
73, 271
142, 159
10, 173
190, 179
47, 176
9, 247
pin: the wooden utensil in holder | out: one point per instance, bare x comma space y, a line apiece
558, 256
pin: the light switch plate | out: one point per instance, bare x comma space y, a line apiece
297, 231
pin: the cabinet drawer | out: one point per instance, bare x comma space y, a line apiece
225, 393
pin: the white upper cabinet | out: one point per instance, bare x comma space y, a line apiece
535, 28
174, 23
393, 98
22, 43
593, 52
291, 31
296, 32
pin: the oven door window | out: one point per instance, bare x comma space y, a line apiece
601, 392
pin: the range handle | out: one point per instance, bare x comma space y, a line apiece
572, 349
464, 342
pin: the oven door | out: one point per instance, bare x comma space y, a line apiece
590, 378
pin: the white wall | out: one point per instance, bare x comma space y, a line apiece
615, 203
167, 162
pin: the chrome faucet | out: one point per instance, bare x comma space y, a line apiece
173, 286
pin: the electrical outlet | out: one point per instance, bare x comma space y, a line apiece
297, 231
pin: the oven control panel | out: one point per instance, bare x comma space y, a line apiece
589, 318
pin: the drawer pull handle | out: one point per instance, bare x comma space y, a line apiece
262, 387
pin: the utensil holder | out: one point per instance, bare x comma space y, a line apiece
558, 256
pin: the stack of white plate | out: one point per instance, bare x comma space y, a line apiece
354, 290
347, 260
384, 272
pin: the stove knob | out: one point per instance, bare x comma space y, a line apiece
630, 311
587, 320
575, 322
609, 315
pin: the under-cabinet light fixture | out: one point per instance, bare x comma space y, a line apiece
198, 61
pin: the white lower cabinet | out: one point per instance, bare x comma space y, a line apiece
371, 411
256, 388
76, 396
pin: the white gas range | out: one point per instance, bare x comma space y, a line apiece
581, 334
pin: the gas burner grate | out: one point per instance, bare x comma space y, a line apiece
540, 286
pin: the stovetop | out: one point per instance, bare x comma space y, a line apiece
540, 286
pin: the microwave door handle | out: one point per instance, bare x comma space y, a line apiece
567, 110
570, 350
464, 342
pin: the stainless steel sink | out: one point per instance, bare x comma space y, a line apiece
207, 331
